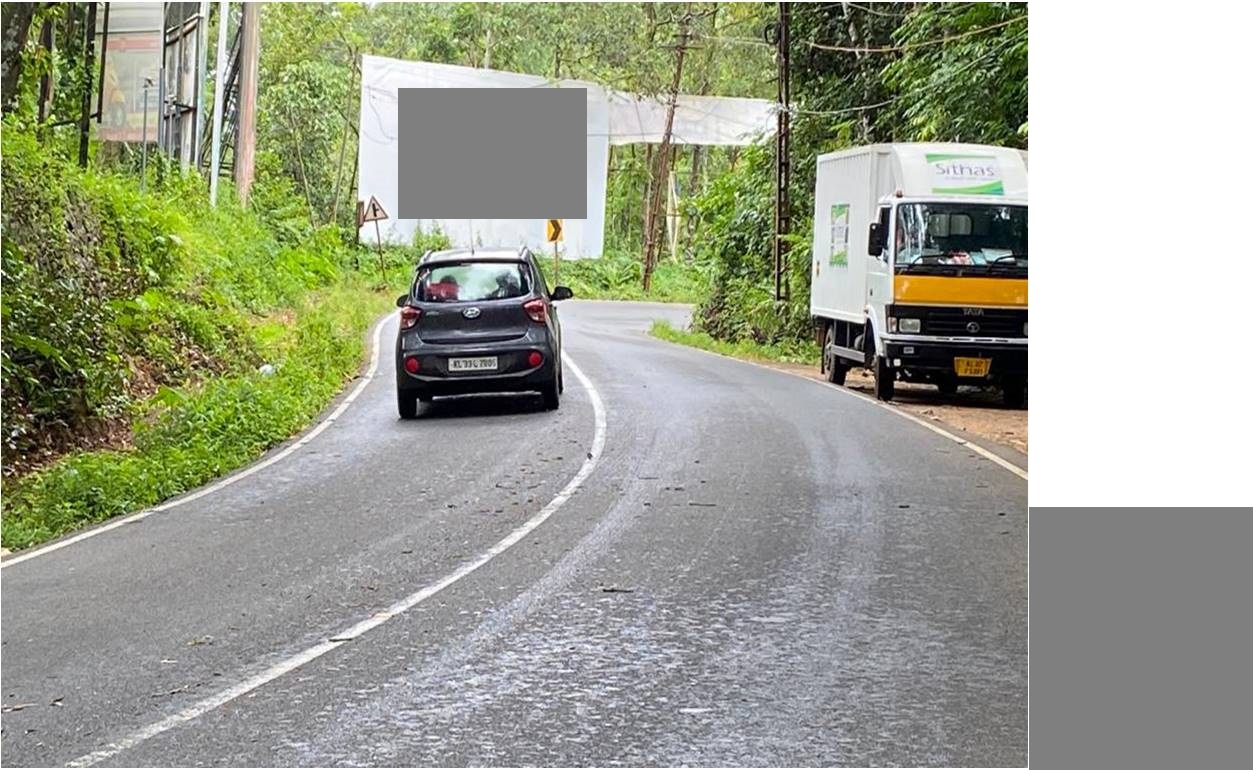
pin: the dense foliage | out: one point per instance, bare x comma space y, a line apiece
310, 84
618, 275
861, 73
137, 321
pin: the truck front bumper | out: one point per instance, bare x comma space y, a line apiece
934, 360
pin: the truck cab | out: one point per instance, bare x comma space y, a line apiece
920, 266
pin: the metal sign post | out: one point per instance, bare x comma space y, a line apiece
554, 234
373, 213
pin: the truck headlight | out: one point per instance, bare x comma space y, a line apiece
910, 325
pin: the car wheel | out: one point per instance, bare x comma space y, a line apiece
406, 404
552, 395
561, 380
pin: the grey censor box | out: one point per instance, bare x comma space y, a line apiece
492, 153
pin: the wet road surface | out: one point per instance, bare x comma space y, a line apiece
758, 570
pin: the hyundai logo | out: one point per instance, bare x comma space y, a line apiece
972, 327
471, 312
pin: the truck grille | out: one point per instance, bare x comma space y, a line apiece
958, 322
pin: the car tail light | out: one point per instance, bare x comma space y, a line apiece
409, 317
411, 364
535, 359
536, 310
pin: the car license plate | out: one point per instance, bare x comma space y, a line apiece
972, 367
485, 364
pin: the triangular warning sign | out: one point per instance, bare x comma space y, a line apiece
373, 211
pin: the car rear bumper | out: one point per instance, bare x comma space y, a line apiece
513, 375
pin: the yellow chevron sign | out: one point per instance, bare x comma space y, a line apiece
554, 230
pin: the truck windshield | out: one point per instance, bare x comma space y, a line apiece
944, 237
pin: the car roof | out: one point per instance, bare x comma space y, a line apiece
491, 254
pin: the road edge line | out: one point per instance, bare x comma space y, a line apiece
377, 619
972, 446
304, 438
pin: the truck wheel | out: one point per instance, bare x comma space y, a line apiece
884, 379
834, 369
406, 404
947, 386
1014, 391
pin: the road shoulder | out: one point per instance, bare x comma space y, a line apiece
1001, 432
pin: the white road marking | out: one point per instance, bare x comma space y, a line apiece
227, 481
1001, 461
379, 618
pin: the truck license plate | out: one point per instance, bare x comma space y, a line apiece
972, 367
485, 364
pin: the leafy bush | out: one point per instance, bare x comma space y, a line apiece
110, 293
190, 435
620, 276
736, 218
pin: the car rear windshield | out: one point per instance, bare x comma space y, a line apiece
472, 282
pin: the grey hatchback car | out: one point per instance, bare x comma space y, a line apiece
481, 321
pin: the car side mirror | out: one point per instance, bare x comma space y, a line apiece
402, 300
875, 245
560, 293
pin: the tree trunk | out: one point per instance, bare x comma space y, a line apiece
665, 154
46, 82
300, 162
343, 141
16, 28
648, 191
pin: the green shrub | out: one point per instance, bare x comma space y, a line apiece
189, 435
621, 276
736, 218
109, 292
145, 315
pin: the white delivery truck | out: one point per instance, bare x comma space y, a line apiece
920, 265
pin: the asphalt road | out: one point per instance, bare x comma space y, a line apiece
757, 569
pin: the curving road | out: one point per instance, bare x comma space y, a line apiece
754, 569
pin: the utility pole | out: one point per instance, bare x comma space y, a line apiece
664, 153
104, 56
782, 162
219, 93
202, 68
89, 63
245, 149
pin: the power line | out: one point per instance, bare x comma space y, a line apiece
881, 49
865, 9
844, 111
919, 89
910, 46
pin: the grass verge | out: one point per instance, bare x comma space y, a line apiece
620, 277
185, 437
792, 352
